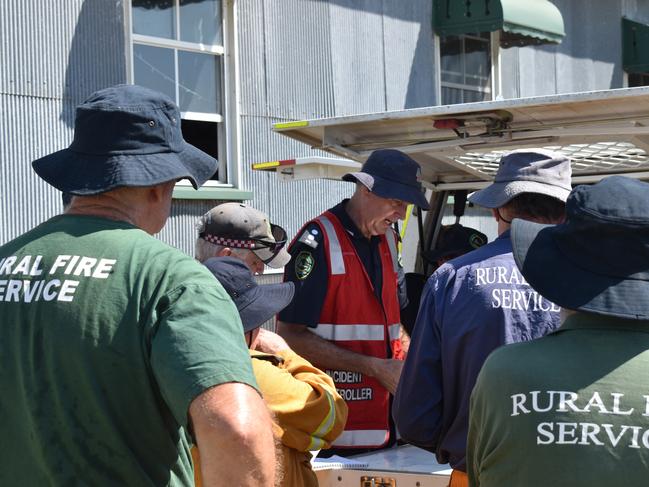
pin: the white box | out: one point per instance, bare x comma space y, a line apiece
402, 466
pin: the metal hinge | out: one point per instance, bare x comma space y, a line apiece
378, 482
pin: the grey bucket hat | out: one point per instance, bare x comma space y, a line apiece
598, 259
538, 171
126, 135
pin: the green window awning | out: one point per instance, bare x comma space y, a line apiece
523, 22
635, 46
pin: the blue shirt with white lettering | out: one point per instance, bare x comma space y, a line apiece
470, 306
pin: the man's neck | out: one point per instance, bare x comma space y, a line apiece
503, 227
355, 212
103, 207
108, 213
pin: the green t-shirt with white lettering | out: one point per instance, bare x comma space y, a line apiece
106, 336
568, 409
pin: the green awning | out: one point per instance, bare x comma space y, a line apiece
635, 46
523, 22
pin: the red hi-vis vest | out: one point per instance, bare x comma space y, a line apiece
353, 318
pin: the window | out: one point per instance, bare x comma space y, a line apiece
465, 68
178, 48
635, 55
638, 79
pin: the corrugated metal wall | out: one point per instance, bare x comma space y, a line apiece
297, 58
588, 58
49, 55
637, 10
309, 59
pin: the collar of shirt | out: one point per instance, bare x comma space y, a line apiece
505, 234
340, 211
592, 321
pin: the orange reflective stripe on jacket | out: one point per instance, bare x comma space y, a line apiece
307, 413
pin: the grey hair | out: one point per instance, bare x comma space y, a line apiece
204, 250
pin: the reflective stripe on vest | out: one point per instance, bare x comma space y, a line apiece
390, 236
338, 333
394, 331
362, 437
325, 427
335, 252
349, 318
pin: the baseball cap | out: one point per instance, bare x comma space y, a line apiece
390, 173
256, 303
521, 171
238, 225
456, 240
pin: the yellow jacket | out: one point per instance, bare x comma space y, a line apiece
308, 412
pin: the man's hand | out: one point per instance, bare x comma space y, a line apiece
326, 355
269, 342
405, 340
387, 372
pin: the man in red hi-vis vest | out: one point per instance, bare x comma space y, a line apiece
345, 314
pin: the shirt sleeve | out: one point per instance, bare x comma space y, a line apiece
402, 290
488, 425
417, 407
308, 271
198, 343
309, 411
475, 447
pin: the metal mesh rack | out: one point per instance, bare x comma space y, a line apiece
595, 158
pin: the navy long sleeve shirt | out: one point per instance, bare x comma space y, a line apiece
470, 306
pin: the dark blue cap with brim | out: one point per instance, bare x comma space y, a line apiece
598, 260
256, 303
125, 135
390, 173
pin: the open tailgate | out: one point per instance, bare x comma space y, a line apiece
459, 146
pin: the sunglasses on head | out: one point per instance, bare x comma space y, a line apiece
251, 243
279, 234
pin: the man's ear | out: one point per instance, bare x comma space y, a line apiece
154, 193
495, 214
157, 193
365, 190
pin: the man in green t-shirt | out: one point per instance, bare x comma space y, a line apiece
117, 351
572, 408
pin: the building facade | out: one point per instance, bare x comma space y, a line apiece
235, 67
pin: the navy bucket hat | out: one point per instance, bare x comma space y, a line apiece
538, 171
598, 260
256, 304
125, 135
389, 173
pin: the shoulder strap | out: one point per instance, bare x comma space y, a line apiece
335, 251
